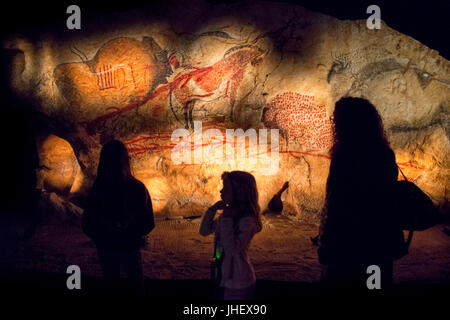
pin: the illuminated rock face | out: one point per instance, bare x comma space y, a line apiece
300, 119
122, 72
261, 66
59, 166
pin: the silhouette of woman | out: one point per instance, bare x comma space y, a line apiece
357, 228
233, 231
117, 215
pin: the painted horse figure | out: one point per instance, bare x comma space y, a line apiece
208, 84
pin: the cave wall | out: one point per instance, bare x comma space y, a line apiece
141, 76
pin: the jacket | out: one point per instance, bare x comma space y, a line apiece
113, 228
234, 241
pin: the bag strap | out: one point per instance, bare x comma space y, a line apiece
408, 241
404, 177
411, 232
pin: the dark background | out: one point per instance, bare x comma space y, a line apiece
426, 21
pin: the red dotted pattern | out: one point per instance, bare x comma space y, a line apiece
300, 119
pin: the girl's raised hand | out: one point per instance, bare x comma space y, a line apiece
219, 205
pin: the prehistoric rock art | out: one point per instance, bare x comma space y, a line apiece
220, 80
239, 66
123, 72
126, 74
300, 119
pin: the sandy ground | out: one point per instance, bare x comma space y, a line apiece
281, 252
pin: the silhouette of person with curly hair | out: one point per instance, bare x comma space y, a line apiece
358, 228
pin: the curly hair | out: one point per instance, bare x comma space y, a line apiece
357, 122
245, 194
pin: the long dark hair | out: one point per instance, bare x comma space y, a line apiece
112, 175
114, 163
245, 195
358, 129
357, 123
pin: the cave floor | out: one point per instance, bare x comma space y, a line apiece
281, 252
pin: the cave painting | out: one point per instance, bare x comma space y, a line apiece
300, 119
211, 145
126, 74
122, 71
221, 80
116, 77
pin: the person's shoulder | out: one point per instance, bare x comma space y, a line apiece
93, 192
387, 152
136, 184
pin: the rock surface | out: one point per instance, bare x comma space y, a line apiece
260, 65
59, 166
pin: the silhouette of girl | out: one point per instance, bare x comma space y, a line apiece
118, 214
233, 231
358, 228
